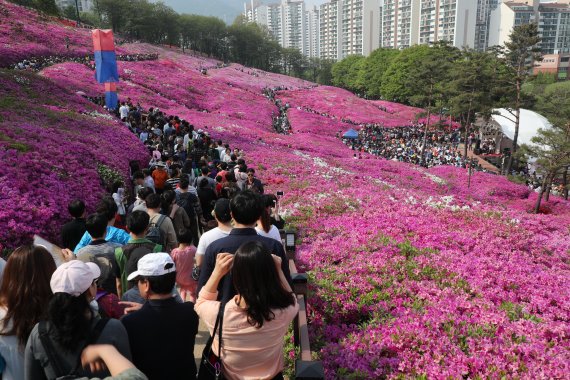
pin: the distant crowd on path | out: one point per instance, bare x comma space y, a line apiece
404, 144
200, 241
40, 63
281, 122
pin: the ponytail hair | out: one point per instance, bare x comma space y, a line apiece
70, 318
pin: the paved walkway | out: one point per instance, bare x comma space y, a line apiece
485, 164
200, 343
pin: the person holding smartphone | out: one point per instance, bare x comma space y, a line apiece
272, 202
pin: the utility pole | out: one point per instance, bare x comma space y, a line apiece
77, 10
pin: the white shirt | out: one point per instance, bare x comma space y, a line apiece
120, 204
273, 233
186, 140
149, 182
208, 238
124, 111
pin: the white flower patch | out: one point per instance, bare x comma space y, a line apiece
301, 154
435, 178
320, 162
96, 114
411, 200
380, 182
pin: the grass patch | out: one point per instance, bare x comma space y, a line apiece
7, 102
516, 312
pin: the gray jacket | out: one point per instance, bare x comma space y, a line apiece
38, 367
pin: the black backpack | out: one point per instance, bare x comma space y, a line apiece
53, 357
154, 233
186, 201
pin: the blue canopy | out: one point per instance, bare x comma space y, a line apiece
350, 134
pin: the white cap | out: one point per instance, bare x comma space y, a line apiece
74, 277
152, 265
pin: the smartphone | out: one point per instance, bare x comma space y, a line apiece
280, 193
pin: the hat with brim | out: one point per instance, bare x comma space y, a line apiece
74, 277
153, 265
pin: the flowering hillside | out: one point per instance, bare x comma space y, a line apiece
52, 144
413, 274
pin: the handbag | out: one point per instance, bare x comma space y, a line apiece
211, 365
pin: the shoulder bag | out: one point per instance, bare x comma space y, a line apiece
211, 365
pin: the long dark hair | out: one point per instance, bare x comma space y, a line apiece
256, 279
25, 291
70, 318
166, 200
265, 220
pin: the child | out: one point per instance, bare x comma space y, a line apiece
183, 257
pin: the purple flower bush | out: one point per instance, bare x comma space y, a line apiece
51, 142
413, 274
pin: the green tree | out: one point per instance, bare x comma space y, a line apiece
472, 87
429, 81
395, 81
114, 13
551, 149
346, 73
70, 12
520, 53
46, 6
325, 74
294, 63
252, 45
373, 70
554, 104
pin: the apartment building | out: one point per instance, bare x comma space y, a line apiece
82, 5
399, 23
557, 64
484, 9
294, 25
409, 22
450, 20
349, 27
289, 22
330, 30
553, 20
313, 35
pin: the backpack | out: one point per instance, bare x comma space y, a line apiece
55, 361
186, 201
154, 233
123, 254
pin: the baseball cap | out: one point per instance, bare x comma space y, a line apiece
153, 265
222, 210
74, 277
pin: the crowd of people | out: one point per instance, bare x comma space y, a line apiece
39, 63
405, 144
196, 238
281, 122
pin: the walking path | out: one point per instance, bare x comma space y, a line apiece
484, 163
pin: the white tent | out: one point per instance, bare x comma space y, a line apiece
530, 123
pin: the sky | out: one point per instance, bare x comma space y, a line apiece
227, 10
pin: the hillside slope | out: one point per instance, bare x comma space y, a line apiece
413, 273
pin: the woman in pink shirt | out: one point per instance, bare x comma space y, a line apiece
256, 319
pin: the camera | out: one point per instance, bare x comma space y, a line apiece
280, 193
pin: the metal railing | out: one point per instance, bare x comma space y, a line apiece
305, 367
